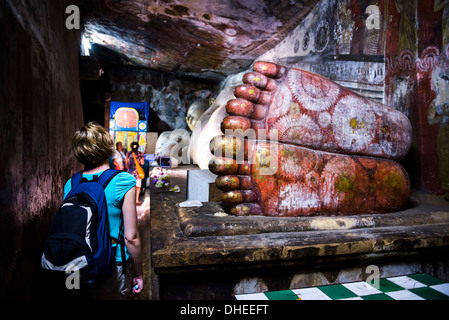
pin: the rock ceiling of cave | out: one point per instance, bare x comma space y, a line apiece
200, 38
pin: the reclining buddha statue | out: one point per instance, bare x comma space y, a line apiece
296, 143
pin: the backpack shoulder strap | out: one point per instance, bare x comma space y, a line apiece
104, 179
107, 176
76, 178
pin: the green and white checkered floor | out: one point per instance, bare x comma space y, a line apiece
412, 287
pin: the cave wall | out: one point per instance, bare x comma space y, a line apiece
40, 107
418, 78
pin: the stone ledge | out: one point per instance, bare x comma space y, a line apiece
200, 221
176, 251
195, 239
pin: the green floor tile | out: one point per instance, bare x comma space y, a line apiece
388, 286
429, 293
426, 279
337, 291
377, 296
281, 295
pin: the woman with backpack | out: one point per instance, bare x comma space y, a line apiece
92, 146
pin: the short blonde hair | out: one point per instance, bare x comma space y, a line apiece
92, 145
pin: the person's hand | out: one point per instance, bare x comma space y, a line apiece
137, 285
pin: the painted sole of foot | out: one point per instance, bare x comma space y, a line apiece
298, 181
308, 110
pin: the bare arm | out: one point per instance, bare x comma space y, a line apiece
132, 237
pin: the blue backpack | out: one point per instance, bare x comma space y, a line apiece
78, 239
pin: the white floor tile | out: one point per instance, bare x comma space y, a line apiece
251, 296
311, 294
443, 288
361, 288
406, 282
403, 295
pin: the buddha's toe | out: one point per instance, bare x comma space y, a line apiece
269, 69
246, 209
232, 182
235, 197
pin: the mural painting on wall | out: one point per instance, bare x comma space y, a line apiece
443, 5
438, 114
400, 81
359, 27
401, 52
356, 26
344, 28
417, 83
439, 107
